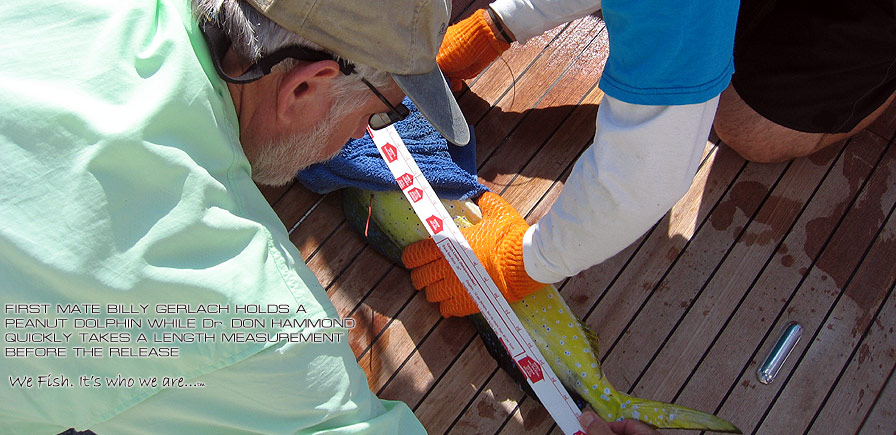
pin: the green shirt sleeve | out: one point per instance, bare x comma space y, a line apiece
122, 181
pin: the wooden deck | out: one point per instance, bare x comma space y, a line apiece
687, 312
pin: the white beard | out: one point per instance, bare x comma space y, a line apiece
278, 161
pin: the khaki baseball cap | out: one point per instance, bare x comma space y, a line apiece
401, 37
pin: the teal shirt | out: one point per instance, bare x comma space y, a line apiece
669, 53
122, 181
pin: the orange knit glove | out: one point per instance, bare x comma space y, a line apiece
469, 46
498, 243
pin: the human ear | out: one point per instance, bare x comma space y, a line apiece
305, 88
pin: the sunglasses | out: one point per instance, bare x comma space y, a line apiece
218, 43
385, 119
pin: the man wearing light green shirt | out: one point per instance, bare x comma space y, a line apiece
132, 136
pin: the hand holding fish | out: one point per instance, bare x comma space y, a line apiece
497, 241
594, 425
493, 229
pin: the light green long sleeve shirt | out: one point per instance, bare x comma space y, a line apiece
122, 181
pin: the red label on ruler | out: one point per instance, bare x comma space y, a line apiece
531, 369
415, 194
435, 224
389, 152
405, 181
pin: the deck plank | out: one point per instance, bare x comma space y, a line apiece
727, 368
682, 281
461, 381
530, 182
521, 122
583, 293
553, 85
637, 280
499, 78
869, 368
273, 193
854, 310
294, 204
843, 245
354, 283
729, 284
336, 243
395, 343
425, 368
882, 418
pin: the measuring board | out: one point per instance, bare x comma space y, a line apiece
476, 280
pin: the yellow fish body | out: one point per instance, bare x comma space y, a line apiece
388, 222
572, 352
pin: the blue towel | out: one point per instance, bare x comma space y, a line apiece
450, 169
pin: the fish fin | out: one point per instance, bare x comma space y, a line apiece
592, 338
670, 416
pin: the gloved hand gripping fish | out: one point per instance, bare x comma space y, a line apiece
388, 222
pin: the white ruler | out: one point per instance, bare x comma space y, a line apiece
476, 280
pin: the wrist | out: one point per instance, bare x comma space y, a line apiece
537, 266
497, 26
517, 282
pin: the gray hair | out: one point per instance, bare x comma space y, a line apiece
253, 35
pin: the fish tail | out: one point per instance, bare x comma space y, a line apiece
670, 416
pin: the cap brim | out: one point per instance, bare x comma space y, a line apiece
432, 96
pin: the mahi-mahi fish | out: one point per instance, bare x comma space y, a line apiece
388, 223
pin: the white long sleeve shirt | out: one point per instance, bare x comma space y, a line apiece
642, 161
651, 127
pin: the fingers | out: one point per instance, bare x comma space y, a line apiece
445, 289
631, 427
420, 253
425, 251
453, 299
442, 286
495, 207
593, 424
461, 305
429, 273
487, 200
